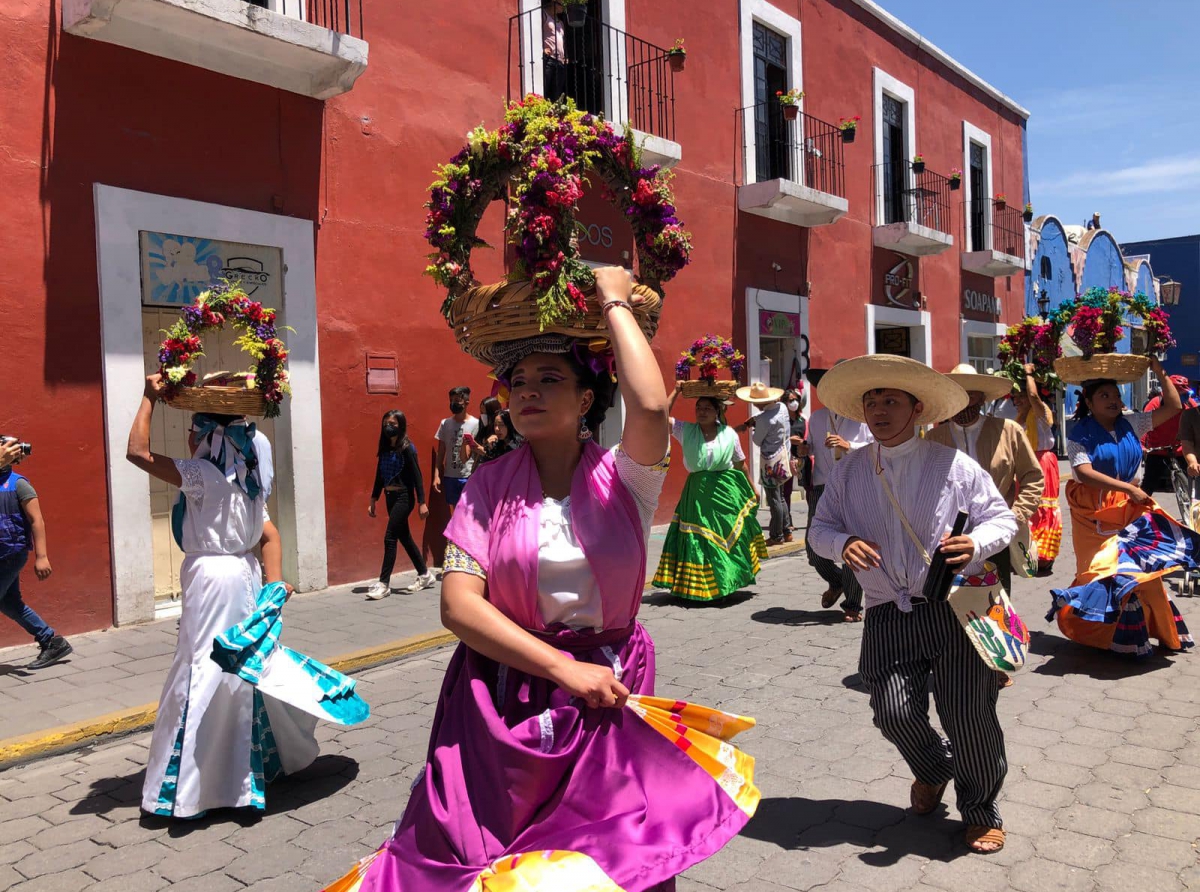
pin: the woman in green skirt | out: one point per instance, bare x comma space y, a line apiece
714, 545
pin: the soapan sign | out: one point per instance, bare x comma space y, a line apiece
980, 302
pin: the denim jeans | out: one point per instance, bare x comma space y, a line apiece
11, 604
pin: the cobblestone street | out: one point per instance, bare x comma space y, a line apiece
1101, 793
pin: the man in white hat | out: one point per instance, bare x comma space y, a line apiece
772, 427
888, 508
831, 437
999, 446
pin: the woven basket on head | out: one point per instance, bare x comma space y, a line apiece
1120, 367
722, 390
220, 400
487, 315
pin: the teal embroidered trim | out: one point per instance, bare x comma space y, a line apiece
170, 785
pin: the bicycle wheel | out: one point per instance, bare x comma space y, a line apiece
1182, 484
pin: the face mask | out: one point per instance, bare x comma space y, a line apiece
455, 408
390, 430
794, 406
968, 415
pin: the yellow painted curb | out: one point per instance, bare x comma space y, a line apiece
17, 750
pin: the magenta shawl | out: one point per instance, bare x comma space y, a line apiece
497, 523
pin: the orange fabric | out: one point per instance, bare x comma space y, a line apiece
1096, 517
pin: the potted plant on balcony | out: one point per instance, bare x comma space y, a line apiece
1000, 201
849, 127
576, 11
918, 164
955, 179
677, 55
790, 102
1027, 214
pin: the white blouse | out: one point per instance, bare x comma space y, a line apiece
220, 518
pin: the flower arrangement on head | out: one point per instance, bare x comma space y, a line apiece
1032, 341
543, 154
227, 303
710, 354
1094, 322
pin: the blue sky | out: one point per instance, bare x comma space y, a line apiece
1114, 88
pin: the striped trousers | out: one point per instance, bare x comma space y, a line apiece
900, 653
834, 576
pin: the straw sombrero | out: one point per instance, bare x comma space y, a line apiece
843, 386
758, 394
991, 386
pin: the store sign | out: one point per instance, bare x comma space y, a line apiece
898, 285
775, 324
1190, 359
176, 268
980, 302
603, 233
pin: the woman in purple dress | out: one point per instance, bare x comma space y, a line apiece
537, 764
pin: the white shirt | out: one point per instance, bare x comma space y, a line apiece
220, 518
823, 422
567, 590
932, 483
966, 439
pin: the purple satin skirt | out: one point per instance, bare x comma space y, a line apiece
516, 765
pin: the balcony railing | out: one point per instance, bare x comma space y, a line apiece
342, 16
903, 195
603, 69
805, 150
994, 227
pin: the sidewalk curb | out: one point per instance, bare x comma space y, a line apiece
26, 748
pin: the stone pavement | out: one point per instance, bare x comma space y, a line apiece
1101, 794
115, 675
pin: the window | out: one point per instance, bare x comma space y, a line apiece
895, 167
979, 197
771, 130
981, 353
1046, 269
573, 58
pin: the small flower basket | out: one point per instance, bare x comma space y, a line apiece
849, 127
677, 56
540, 158
790, 102
1001, 202
918, 164
263, 388
1093, 324
955, 179
709, 355
576, 11
1027, 213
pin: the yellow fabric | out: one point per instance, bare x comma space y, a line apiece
555, 871
352, 881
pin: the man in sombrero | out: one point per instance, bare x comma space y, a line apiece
891, 505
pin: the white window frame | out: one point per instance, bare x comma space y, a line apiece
293, 9
764, 13
884, 83
972, 134
919, 323
971, 328
298, 449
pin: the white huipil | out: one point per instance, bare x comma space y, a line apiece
211, 747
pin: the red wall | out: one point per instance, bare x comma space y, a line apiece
80, 112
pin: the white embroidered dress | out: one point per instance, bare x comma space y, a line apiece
212, 746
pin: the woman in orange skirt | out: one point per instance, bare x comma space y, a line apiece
1045, 524
1105, 449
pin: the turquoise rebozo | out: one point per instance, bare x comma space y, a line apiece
251, 651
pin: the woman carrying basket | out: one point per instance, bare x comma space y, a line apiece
714, 545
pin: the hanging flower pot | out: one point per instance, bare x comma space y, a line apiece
1027, 214
576, 14
849, 128
849, 134
791, 112
955, 179
677, 56
1001, 202
918, 164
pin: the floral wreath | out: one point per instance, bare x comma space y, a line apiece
710, 354
544, 152
212, 309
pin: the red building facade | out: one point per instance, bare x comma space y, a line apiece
153, 141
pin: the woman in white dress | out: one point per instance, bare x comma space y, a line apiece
217, 740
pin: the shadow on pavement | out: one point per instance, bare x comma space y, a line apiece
326, 776
799, 823
781, 616
666, 599
1068, 657
19, 671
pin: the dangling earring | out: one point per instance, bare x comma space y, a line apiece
585, 432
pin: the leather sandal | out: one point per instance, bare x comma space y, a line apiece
976, 834
830, 597
852, 616
1004, 679
926, 797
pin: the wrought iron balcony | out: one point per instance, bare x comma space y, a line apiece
792, 169
995, 237
604, 70
311, 47
912, 209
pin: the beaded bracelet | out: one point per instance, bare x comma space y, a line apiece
616, 303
